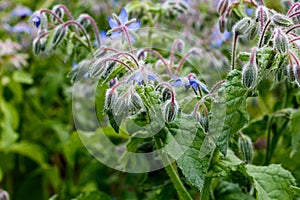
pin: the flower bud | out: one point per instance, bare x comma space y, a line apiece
222, 6
222, 23
4, 195
58, 35
196, 115
36, 46
196, 51
246, 148
261, 16
281, 43
204, 122
59, 11
83, 21
289, 72
281, 20
249, 73
120, 106
136, 101
97, 68
297, 74
142, 55
254, 31
249, 76
243, 26
170, 111
166, 94
110, 97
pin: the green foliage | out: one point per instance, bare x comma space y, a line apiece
229, 110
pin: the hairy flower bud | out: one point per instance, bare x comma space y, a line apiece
243, 26
110, 97
4, 195
166, 94
281, 20
59, 11
170, 111
222, 23
289, 72
246, 148
281, 43
36, 46
204, 122
261, 16
58, 35
136, 101
83, 21
222, 6
120, 106
254, 31
196, 115
250, 70
297, 74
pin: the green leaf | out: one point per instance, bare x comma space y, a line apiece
22, 77
295, 130
184, 140
117, 72
30, 150
95, 195
271, 182
296, 191
230, 191
229, 111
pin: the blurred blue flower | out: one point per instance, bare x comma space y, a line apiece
103, 37
21, 27
120, 22
217, 38
21, 11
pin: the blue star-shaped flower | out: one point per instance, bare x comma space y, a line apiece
141, 75
119, 23
195, 84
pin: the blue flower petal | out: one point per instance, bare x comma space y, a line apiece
151, 77
112, 22
103, 35
36, 20
135, 26
115, 35
123, 16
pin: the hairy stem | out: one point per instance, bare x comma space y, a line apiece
172, 172
233, 53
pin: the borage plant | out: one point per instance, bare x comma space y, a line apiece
154, 101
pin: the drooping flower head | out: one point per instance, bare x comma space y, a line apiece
120, 24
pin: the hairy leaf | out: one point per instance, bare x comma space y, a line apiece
271, 182
184, 141
229, 112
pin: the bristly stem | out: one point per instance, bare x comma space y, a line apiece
233, 53
293, 28
172, 172
119, 61
128, 38
159, 56
130, 55
82, 29
70, 16
53, 14
173, 53
262, 36
95, 28
292, 8
182, 61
